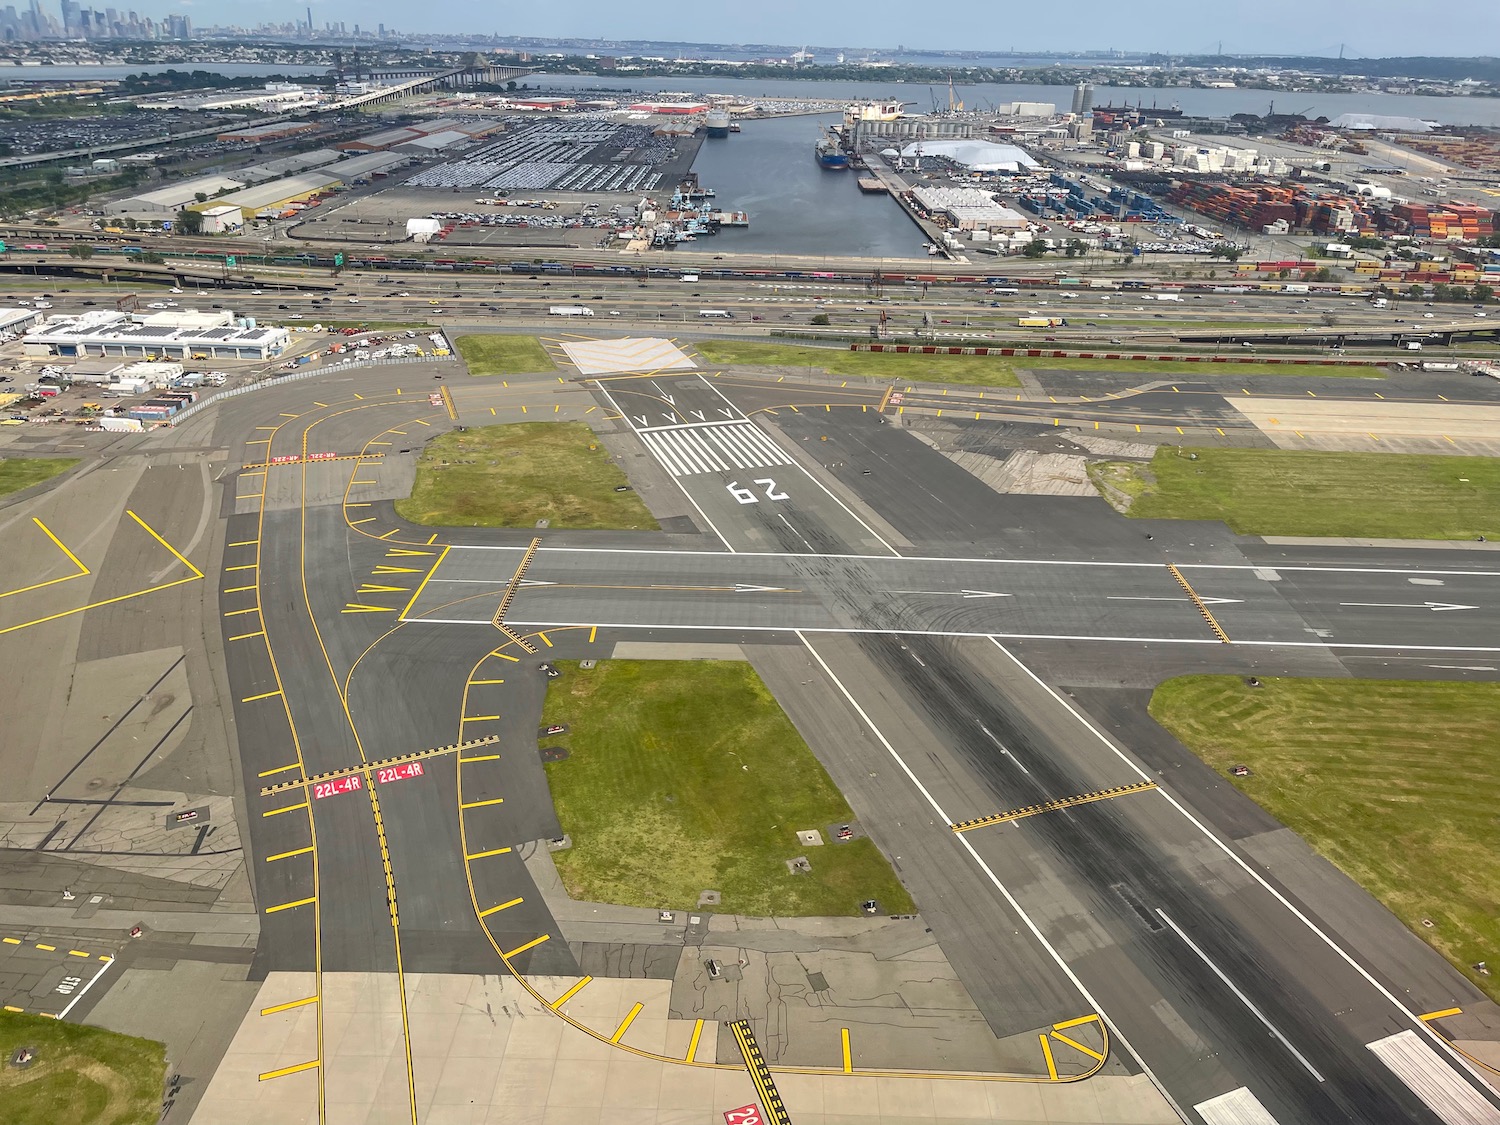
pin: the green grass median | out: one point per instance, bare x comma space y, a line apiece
495, 354
512, 476
80, 1076
687, 776
975, 369
17, 473
1287, 492
1392, 781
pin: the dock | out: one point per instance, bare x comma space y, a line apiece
870, 185
900, 191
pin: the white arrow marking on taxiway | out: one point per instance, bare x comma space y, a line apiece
1436, 607
698, 414
750, 588
536, 582
960, 593
1205, 601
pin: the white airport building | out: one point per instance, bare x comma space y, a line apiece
169, 335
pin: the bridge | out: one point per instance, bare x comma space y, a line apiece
420, 82
1443, 334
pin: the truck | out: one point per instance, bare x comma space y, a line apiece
1041, 322
1169, 297
716, 314
1296, 287
690, 278
570, 310
1378, 302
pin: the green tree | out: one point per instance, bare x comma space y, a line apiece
81, 250
1227, 251
1414, 291
1442, 292
1036, 248
1482, 294
820, 318
200, 197
1075, 248
1323, 274
190, 222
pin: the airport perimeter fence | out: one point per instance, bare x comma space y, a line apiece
300, 375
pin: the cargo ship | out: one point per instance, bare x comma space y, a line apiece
1126, 110
718, 123
830, 154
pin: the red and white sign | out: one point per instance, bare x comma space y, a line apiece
745, 1115
351, 784
321, 456
434, 400
398, 773
284, 459
896, 398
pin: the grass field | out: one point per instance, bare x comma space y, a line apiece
17, 473
988, 371
512, 476
687, 776
82, 1075
1392, 781
503, 355
1282, 492
980, 370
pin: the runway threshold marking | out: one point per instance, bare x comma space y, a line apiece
760, 1073
1052, 806
1218, 630
379, 763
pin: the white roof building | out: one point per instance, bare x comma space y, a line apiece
106, 333
970, 208
978, 156
173, 197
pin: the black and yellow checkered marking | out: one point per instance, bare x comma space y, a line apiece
1052, 806
510, 590
760, 1073
1218, 630
367, 767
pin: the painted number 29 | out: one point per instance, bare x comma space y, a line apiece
747, 496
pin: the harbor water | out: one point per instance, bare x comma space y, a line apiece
796, 207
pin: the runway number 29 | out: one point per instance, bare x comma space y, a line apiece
747, 496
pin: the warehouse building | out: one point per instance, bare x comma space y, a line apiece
223, 218
364, 166
18, 320
969, 209
181, 335
276, 196
375, 142
260, 134
429, 145
173, 197
281, 166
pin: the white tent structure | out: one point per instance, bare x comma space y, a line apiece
978, 156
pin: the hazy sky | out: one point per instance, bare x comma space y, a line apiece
1366, 27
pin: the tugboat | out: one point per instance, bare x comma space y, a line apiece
830, 154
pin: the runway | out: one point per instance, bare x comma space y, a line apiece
887, 603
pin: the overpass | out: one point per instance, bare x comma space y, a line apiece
420, 82
1437, 334
200, 275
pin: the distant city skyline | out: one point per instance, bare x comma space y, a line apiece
1270, 27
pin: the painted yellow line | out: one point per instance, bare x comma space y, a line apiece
353, 482
592, 630
235, 612
243, 566
267, 695
1077, 1046
13, 1008
288, 1006
482, 804
477, 718
626, 1022
389, 533
358, 504
427, 578
247, 636
11, 940
545, 641
250, 496
1074, 1023
289, 905
56, 542
280, 769
1444, 1014
486, 681
1047, 1054
572, 992
848, 1059
77, 953
48, 948
284, 1071
372, 588
419, 422
486, 855
284, 808
171, 549
532, 944
481, 758
238, 589
693, 1042
288, 855
367, 519
500, 907
507, 656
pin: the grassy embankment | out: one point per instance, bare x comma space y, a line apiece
81, 1076
17, 473
687, 776
991, 371
1392, 781
496, 354
512, 476
1288, 492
